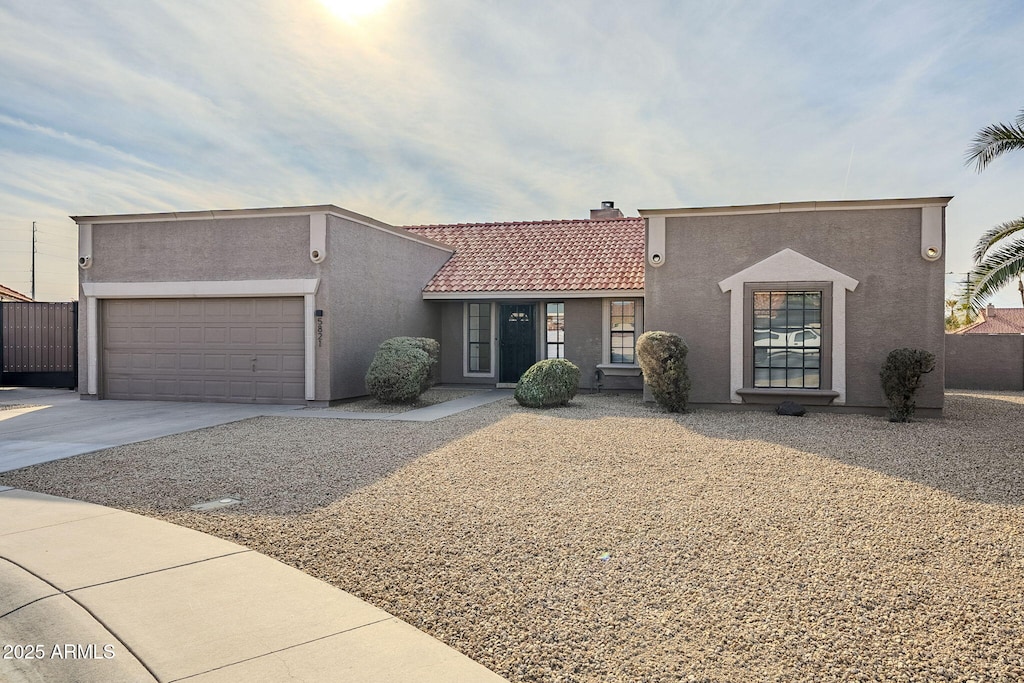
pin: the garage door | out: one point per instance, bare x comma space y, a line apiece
232, 350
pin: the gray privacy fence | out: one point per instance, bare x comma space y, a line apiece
39, 344
985, 361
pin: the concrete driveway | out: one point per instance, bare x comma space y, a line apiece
39, 425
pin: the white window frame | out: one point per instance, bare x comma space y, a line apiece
544, 331
465, 339
606, 366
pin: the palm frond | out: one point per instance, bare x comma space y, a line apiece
994, 235
993, 141
997, 270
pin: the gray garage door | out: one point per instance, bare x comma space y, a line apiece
234, 350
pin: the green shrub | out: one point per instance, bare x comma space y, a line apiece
551, 382
399, 373
901, 378
428, 346
662, 358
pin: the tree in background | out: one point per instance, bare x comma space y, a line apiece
999, 253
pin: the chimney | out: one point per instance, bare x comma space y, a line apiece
606, 211
990, 312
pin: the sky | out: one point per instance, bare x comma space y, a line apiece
444, 111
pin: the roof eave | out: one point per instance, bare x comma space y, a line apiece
534, 294
793, 207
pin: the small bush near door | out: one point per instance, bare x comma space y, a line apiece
662, 359
901, 378
551, 382
402, 369
425, 344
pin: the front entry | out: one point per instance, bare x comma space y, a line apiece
518, 342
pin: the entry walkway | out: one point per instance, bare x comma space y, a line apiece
93, 594
427, 414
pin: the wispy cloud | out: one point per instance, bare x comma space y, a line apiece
457, 110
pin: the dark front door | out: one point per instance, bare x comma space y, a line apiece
518, 341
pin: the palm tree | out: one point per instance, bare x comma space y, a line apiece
998, 255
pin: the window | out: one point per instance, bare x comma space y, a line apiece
478, 338
787, 339
555, 338
623, 331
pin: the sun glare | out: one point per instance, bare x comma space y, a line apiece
353, 10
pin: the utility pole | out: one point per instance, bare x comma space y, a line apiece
33, 260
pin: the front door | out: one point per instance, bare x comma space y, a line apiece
518, 342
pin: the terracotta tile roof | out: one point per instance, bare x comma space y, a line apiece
571, 255
1001, 321
8, 293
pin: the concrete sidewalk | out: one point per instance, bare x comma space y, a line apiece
99, 594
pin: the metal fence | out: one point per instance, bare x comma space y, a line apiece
39, 344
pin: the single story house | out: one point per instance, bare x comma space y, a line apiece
993, 320
8, 294
791, 300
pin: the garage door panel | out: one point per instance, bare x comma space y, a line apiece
241, 336
190, 309
118, 361
165, 389
165, 361
268, 335
192, 388
215, 335
165, 335
293, 337
118, 334
140, 309
190, 335
204, 349
143, 335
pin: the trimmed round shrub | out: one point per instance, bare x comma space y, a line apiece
901, 378
662, 358
399, 373
428, 346
551, 382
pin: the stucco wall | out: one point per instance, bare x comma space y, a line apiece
375, 287
985, 361
251, 248
451, 346
584, 337
898, 301
370, 289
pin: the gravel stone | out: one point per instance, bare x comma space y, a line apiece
608, 541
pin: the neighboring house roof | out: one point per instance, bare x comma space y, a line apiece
581, 256
997, 321
8, 294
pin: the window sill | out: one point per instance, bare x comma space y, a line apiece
811, 397
619, 370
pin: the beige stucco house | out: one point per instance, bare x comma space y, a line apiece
791, 300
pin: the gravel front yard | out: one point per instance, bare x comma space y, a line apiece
605, 541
